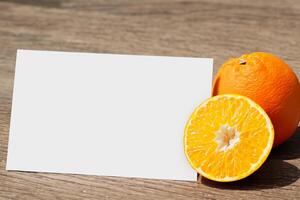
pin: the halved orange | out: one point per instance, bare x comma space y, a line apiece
228, 137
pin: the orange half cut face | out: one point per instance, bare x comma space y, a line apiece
228, 137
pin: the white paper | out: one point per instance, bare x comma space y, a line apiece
104, 114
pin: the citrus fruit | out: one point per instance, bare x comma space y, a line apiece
228, 137
268, 81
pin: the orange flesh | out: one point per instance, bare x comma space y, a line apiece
228, 137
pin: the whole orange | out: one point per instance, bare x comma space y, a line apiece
270, 82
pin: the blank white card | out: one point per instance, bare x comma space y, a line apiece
104, 114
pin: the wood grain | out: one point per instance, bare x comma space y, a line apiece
206, 28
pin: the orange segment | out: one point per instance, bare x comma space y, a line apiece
228, 137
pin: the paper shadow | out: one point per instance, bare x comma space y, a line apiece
273, 174
288, 150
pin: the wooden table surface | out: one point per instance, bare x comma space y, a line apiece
207, 28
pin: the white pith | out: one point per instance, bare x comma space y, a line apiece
227, 137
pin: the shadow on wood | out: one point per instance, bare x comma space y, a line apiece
290, 149
274, 173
